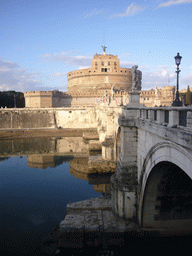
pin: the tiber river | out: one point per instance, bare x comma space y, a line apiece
38, 178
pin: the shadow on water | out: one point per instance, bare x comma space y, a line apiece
39, 179
35, 187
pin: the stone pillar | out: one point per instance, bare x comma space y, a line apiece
189, 119
160, 116
173, 118
108, 150
124, 181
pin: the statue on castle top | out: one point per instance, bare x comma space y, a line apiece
136, 78
104, 48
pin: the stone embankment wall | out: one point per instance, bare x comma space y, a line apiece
26, 118
75, 117
49, 118
103, 118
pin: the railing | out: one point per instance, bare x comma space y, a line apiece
168, 116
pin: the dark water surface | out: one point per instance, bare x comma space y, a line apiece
40, 176
33, 201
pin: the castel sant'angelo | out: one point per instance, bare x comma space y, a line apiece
105, 80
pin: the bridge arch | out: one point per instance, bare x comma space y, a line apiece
168, 154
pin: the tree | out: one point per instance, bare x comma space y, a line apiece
188, 96
11, 99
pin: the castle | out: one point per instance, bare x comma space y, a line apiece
105, 80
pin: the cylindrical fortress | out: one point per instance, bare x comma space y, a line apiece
104, 73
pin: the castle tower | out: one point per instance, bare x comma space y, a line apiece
104, 73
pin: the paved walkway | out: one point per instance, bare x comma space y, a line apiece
94, 215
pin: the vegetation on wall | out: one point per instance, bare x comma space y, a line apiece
186, 96
11, 99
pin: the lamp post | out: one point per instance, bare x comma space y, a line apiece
177, 102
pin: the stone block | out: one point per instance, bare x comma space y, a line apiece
72, 240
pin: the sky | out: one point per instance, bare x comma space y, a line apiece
42, 40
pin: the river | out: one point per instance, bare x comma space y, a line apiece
38, 178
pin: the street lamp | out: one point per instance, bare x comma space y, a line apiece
177, 102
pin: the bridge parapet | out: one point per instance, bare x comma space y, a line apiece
168, 116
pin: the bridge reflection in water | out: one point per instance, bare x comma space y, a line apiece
167, 202
34, 194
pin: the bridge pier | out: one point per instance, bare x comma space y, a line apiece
124, 181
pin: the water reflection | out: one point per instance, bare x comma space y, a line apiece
38, 178
45, 161
50, 146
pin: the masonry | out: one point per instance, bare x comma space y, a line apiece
155, 143
49, 118
104, 118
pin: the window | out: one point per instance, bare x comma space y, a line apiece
102, 63
104, 70
108, 63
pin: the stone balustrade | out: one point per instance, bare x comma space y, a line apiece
168, 116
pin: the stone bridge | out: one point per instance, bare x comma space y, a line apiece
153, 181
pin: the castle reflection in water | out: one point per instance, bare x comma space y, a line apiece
50, 152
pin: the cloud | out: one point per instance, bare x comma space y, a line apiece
93, 13
185, 81
174, 2
82, 61
59, 74
131, 11
158, 76
12, 77
127, 64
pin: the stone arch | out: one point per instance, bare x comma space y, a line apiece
167, 202
162, 152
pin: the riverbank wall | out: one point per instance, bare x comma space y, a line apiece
26, 119
47, 118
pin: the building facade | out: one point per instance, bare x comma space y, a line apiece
103, 82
